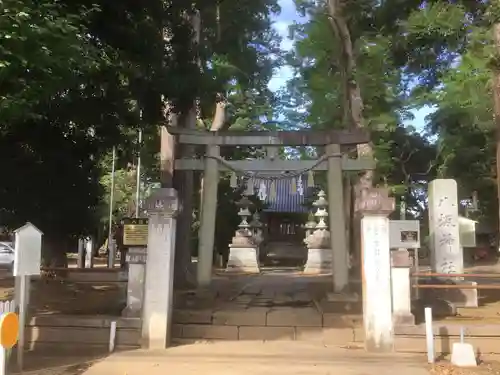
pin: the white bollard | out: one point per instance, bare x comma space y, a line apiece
429, 335
112, 337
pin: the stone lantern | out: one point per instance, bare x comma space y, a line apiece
243, 253
256, 225
319, 254
244, 204
310, 226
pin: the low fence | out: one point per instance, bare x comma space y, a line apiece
7, 306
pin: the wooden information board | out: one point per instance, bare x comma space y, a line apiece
135, 232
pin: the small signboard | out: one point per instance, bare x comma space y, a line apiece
404, 234
135, 231
28, 253
467, 232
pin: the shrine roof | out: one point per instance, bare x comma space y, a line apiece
285, 200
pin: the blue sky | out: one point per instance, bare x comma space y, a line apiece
287, 16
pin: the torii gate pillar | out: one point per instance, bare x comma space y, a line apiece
208, 217
338, 240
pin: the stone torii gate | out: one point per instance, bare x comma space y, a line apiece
334, 162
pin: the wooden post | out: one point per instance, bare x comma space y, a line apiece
27, 261
337, 226
208, 217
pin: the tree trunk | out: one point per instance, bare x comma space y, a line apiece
496, 100
219, 119
353, 113
184, 275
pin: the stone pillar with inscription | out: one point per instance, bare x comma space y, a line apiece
162, 208
243, 256
136, 260
374, 205
447, 255
319, 251
446, 251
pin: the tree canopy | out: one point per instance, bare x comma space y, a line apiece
78, 78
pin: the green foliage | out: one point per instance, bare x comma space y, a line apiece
75, 76
43, 50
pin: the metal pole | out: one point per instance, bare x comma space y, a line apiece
111, 255
138, 182
23, 284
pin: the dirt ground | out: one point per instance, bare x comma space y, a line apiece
253, 358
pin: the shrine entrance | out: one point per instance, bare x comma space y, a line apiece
284, 227
326, 237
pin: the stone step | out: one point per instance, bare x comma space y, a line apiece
263, 316
324, 336
87, 333
327, 336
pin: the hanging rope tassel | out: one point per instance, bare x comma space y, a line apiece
294, 185
272, 193
233, 182
310, 179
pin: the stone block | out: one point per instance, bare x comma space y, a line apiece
343, 297
403, 319
176, 330
305, 317
243, 259
359, 334
210, 332
462, 355
414, 344
251, 317
192, 316
319, 261
458, 297
341, 321
266, 333
80, 336
331, 336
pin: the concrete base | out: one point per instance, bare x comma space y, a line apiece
403, 319
319, 261
462, 355
458, 297
243, 259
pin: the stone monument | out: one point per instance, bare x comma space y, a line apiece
401, 287
136, 260
446, 250
374, 205
162, 208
